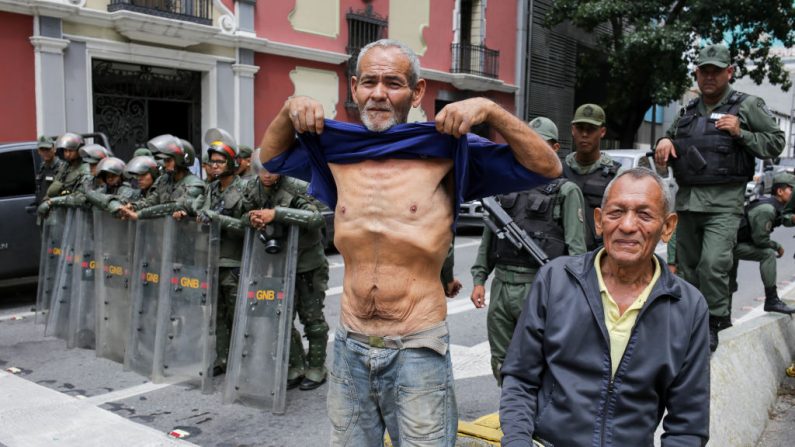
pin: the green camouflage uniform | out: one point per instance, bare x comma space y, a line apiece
46, 175
295, 207
111, 199
589, 203
227, 207
709, 215
512, 283
166, 196
762, 219
68, 179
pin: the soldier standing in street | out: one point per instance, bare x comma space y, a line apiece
51, 166
69, 178
711, 146
175, 192
244, 159
753, 239
225, 202
553, 215
283, 200
587, 166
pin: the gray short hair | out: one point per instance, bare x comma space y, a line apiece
414, 76
640, 173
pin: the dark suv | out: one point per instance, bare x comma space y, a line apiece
19, 236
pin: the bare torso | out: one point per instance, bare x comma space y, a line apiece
392, 227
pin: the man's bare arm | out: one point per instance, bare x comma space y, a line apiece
528, 147
299, 114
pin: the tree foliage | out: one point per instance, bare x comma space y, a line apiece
649, 46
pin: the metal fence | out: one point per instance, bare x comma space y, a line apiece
475, 59
197, 11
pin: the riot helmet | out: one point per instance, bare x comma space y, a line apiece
93, 153
169, 146
221, 142
69, 142
142, 165
110, 166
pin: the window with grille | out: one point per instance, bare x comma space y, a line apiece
364, 26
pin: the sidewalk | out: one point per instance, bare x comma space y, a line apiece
780, 430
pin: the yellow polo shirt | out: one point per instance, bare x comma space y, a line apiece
619, 327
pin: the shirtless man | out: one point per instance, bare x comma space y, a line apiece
391, 367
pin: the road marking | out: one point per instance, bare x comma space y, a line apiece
37, 416
127, 392
472, 361
760, 310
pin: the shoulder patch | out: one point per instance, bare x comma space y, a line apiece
760, 103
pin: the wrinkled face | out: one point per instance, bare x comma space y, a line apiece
382, 91
169, 164
587, 137
112, 179
70, 155
712, 80
217, 165
268, 179
633, 220
47, 155
145, 180
244, 164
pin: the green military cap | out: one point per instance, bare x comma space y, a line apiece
244, 151
545, 127
717, 55
142, 152
590, 114
784, 178
45, 142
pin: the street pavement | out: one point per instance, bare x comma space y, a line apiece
57, 396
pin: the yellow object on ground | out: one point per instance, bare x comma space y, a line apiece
791, 370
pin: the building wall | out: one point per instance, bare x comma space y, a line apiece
501, 35
17, 81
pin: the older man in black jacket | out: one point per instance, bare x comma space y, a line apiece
610, 339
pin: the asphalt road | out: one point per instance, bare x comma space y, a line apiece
85, 396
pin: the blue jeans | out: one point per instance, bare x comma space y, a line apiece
409, 392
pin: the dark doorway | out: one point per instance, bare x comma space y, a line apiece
134, 103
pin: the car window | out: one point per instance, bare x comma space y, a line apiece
17, 174
625, 162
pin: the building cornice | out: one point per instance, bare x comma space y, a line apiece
245, 71
471, 82
49, 44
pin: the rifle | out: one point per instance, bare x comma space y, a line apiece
501, 224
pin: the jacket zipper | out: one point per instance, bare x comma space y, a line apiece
604, 411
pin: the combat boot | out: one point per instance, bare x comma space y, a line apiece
717, 324
317, 335
774, 304
296, 369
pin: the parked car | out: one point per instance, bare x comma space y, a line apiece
470, 215
633, 158
20, 239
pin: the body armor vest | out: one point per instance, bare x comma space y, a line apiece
707, 155
532, 211
593, 187
744, 232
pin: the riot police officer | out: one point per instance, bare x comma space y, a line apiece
587, 166
51, 166
283, 200
711, 146
145, 170
114, 191
244, 160
225, 201
90, 155
753, 239
175, 192
67, 180
553, 215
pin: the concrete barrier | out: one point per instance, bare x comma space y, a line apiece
746, 372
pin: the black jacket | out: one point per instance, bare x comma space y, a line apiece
557, 376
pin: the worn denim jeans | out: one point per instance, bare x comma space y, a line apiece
409, 392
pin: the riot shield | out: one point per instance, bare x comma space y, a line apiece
185, 335
144, 295
58, 315
256, 372
82, 315
52, 235
113, 245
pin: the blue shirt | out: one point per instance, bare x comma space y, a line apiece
482, 168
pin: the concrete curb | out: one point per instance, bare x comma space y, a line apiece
746, 372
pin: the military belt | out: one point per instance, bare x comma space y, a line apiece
514, 277
431, 338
